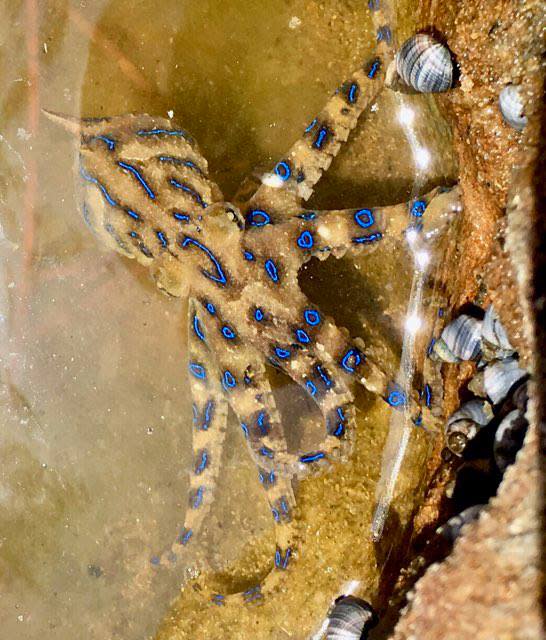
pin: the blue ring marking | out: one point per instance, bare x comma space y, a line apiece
321, 137
107, 196
210, 308
138, 176
258, 218
245, 430
351, 360
228, 380
110, 142
258, 314
396, 398
276, 515
373, 5
308, 215
182, 217
418, 208
228, 332
218, 599
311, 125
248, 255
272, 271
185, 536
373, 68
312, 317
252, 594
325, 377
167, 132
220, 276
162, 238
384, 33
364, 218
440, 313
197, 499
302, 336
190, 191
179, 161
266, 452
208, 415
311, 387
430, 347
197, 328
428, 395
312, 457
133, 234
418, 421
369, 239
281, 562
197, 370
202, 464
282, 353
283, 170
305, 240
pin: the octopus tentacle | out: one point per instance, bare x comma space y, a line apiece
208, 435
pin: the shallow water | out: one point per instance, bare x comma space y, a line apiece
96, 441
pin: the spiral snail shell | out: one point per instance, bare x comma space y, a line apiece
425, 64
512, 107
350, 619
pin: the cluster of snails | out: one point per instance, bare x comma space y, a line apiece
427, 66
486, 431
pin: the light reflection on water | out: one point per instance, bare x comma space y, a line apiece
94, 402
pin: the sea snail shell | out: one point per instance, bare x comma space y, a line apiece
425, 64
512, 107
349, 619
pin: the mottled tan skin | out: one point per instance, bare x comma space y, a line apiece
148, 196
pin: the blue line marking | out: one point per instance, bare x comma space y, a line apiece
373, 5
312, 457
384, 33
198, 498
369, 239
266, 452
418, 208
310, 125
103, 189
208, 415
282, 353
162, 238
245, 430
281, 562
248, 255
428, 395
210, 308
305, 240
190, 191
258, 314
302, 336
133, 214
166, 132
202, 464
228, 380
351, 360
262, 423
272, 271
312, 317
138, 176
258, 218
311, 387
179, 161
197, 370
364, 218
283, 170
308, 215
218, 599
197, 328
182, 217
110, 142
220, 276
185, 536
228, 332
